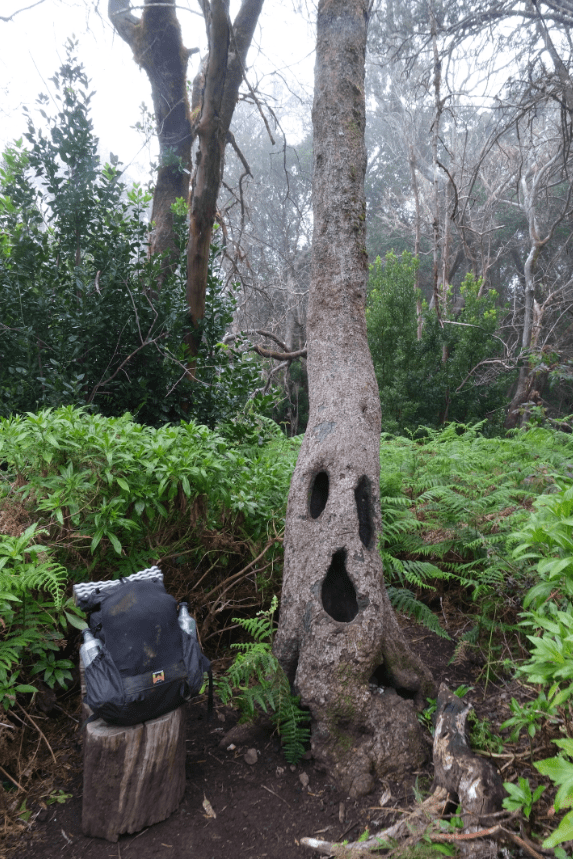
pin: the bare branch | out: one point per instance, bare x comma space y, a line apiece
17, 12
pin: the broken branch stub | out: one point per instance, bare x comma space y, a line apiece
473, 779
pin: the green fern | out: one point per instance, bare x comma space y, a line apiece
34, 609
256, 681
404, 601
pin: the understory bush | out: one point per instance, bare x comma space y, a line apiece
430, 373
84, 496
88, 316
545, 543
451, 500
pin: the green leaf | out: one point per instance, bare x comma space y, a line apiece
446, 849
564, 832
115, 543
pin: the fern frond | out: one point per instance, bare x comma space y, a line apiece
256, 681
405, 602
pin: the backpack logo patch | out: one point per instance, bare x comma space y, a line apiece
158, 677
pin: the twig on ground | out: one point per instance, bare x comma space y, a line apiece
12, 779
39, 730
275, 794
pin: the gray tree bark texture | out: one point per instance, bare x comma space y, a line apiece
134, 776
337, 630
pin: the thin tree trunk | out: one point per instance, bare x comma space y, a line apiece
419, 316
228, 48
337, 630
528, 201
157, 46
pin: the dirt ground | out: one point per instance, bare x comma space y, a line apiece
262, 809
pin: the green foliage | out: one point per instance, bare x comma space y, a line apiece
560, 771
35, 615
88, 316
451, 501
533, 715
255, 679
428, 380
114, 485
112, 496
544, 543
58, 796
228, 374
547, 540
520, 796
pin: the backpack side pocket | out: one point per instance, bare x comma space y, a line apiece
104, 687
195, 661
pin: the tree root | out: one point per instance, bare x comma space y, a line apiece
417, 826
460, 775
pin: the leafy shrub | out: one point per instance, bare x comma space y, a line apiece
88, 316
429, 381
560, 771
545, 543
110, 483
452, 501
547, 540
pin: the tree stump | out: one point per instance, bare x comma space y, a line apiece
133, 776
473, 779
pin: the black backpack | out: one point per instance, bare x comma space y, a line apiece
147, 665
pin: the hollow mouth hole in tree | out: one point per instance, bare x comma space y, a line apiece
384, 680
362, 496
338, 592
318, 494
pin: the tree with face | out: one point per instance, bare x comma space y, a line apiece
338, 635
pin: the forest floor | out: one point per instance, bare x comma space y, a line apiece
262, 809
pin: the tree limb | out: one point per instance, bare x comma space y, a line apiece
17, 12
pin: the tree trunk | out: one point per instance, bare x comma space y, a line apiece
337, 630
228, 48
158, 48
531, 327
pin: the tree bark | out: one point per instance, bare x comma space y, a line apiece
472, 779
529, 194
228, 48
157, 46
337, 629
133, 776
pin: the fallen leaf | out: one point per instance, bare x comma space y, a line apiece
385, 798
208, 807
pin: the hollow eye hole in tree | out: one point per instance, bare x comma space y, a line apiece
318, 494
338, 592
362, 496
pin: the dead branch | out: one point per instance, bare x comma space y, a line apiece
278, 356
17, 12
415, 822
